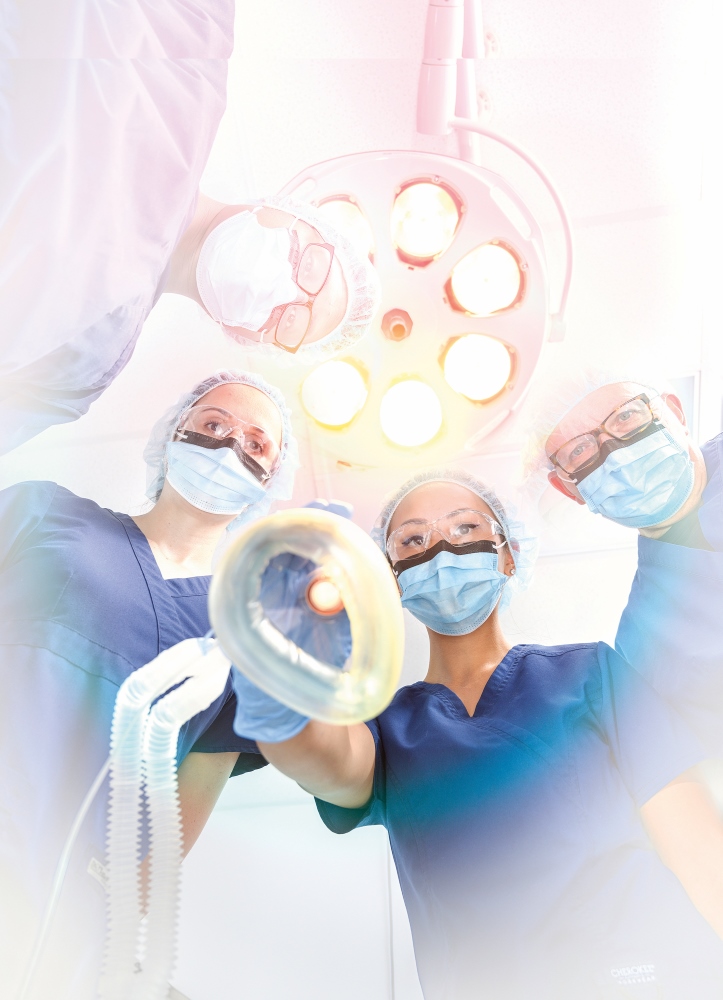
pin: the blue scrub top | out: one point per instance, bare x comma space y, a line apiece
672, 627
524, 866
82, 605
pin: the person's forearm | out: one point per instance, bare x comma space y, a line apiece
201, 779
335, 763
687, 833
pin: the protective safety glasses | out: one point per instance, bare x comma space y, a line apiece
289, 324
459, 527
625, 422
213, 427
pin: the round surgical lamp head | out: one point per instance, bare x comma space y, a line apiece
463, 318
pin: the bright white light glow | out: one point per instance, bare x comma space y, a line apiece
349, 220
424, 220
334, 393
324, 597
486, 280
477, 366
410, 413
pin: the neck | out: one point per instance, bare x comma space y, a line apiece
182, 538
464, 663
182, 275
700, 482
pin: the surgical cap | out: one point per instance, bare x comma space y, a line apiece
281, 484
551, 399
523, 547
363, 293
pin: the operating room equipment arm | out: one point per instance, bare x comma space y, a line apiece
687, 833
335, 763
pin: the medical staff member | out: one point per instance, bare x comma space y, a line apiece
541, 815
621, 446
103, 153
88, 595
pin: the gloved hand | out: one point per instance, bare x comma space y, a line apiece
283, 597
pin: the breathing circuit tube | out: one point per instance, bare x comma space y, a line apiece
144, 738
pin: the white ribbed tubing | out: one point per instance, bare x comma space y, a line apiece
136, 731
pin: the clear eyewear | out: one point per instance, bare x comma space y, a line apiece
627, 420
460, 527
213, 427
289, 324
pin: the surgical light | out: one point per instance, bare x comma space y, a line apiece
346, 216
486, 281
334, 393
410, 413
477, 366
425, 217
465, 207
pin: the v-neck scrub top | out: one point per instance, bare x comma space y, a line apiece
82, 605
672, 627
524, 865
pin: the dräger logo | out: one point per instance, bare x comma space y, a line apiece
631, 975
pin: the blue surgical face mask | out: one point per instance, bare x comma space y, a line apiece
641, 484
213, 480
451, 593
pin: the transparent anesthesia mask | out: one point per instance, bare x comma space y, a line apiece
460, 528
356, 570
213, 427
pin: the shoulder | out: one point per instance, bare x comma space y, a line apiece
39, 504
567, 658
33, 495
23, 507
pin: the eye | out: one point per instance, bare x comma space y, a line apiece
465, 528
289, 317
254, 446
215, 428
578, 450
413, 541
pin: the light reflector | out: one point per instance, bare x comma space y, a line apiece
486, 280
334, 393
477, 366
425, 217
348, 218
410, 413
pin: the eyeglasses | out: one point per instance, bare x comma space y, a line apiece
459, 527
289, 324
213, 427
627, 420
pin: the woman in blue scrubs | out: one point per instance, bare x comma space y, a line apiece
87, 595
549, 836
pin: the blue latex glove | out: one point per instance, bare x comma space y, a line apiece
283, 596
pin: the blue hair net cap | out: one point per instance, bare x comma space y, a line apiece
363, 294
523, 547
281, 485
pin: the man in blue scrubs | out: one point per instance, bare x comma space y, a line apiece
624, 449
